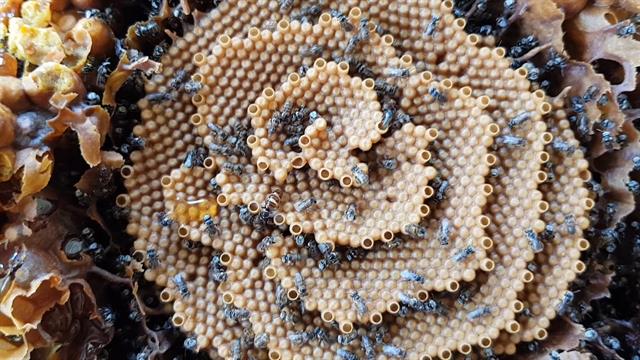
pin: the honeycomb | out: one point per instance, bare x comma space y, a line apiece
354, 180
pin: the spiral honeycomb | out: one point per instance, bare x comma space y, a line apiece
354, 180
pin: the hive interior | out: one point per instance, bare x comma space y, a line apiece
447, 252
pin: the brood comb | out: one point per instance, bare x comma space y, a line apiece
352, 180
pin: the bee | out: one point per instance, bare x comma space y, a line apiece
442, 191
561, 146
479, 312
389, 112
236, 350
402, 118
548, 233
147, 31
217, 131
304, 205
216, 270
248, 337
407, 275
465, 296
570, 224
496, 171
264, 263
393, 351
330, 259
346, 339
342, 18
534, 242
307, 12
567, 299
625, 31
464, 253
361, 68
302, 70
590, 93
261, 341
416, 231
367, 345
523, 45
361, 35
288, 316
191, 344
590, 335
178, 280
192, 87
533, 73
90, 65
281, 296
502, 22
7, 274
360, 176
233, 168
321, 335
299, 240
233, 313
311, 51
164, 219
351, 212
195, 157
159, 97
363, 30
519, 119
266, 243
397, 72
434, 306
359, 302
437, 95
444, 232
213, 183
272, 201
210, 226
291, 258
389, 164
385, 88
636, 163
300, 284
556, 61
279, 117
607, 140
353, 254
582, 125
511, 141
223, 150
633, 186
292, 142
178, 80
346, 355
286, 5
410, 302
152, 258
431, 28
624, 102
103, 73
300, 337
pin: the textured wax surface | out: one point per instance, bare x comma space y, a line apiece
370, 180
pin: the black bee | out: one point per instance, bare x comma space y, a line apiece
431, 28
343, 19
179, 79
152, 258
211, 227
183, 290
